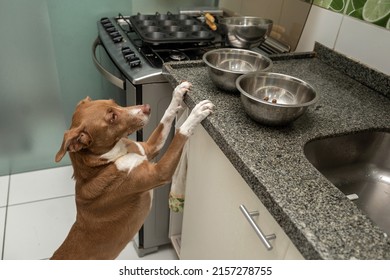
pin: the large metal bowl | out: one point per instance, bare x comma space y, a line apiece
275, 99
245, 32
226, 65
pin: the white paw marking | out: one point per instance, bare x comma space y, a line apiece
175, 105
198, 114
173, 108
181, 90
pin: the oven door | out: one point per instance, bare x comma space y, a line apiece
154, 232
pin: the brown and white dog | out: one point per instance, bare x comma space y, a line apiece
114, 175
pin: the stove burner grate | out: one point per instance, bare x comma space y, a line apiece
178, 55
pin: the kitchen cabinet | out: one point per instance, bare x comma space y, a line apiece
214, 227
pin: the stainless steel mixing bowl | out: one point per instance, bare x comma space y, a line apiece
245, 32
226, 65
275, 99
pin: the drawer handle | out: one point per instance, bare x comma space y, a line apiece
264, 238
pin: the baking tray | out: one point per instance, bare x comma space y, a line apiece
170, 28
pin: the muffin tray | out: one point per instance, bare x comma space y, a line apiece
170, 28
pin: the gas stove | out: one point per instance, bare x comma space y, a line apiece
176, 40
140, 44
141, 60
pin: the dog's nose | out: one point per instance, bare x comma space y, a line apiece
146, 109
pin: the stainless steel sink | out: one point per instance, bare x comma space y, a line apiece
359, 165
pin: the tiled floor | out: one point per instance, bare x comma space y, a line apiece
37, 210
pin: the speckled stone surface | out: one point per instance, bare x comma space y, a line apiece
318, 218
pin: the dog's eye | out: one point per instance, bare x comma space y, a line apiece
113, 117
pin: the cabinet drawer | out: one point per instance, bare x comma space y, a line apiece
213, 225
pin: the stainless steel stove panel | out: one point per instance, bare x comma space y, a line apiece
144, 73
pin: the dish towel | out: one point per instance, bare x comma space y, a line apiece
178, 186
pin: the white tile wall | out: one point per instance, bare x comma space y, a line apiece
365, 42
321, 26
359, 40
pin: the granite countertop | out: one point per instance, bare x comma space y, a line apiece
317, 217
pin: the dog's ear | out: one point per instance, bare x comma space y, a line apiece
85, 100
74, 140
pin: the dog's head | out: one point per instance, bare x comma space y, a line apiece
98, 124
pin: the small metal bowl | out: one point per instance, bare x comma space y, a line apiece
226, 65
245, 32
275, 99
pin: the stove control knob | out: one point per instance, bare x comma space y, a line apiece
115, 33
126, 49
127, 53
117, 39
135, 61
111, 29
104, 20
129, 56
107, 25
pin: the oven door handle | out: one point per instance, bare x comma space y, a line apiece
106, 74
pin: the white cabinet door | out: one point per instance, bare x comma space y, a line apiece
213, 225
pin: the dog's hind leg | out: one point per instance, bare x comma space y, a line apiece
159, 136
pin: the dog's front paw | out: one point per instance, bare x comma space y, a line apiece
181, 90
176, 103
198, 114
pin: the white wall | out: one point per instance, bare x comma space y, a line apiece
359, 40
46, 68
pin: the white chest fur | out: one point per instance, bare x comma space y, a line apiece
129, 161
125, 161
